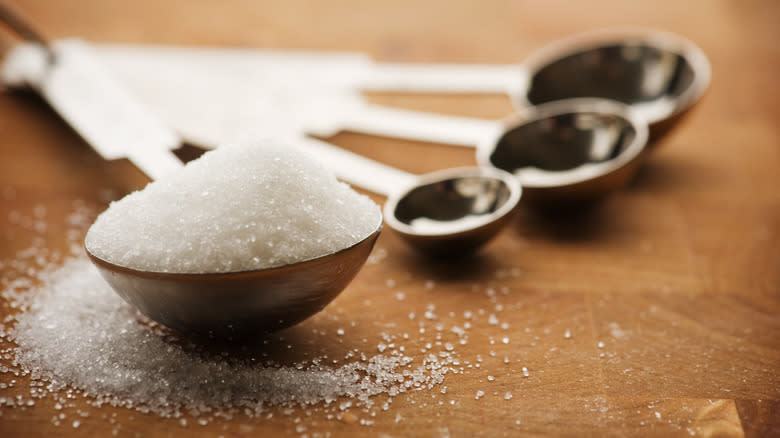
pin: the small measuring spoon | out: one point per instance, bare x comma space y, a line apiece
449, 212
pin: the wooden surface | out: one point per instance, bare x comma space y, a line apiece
677, 276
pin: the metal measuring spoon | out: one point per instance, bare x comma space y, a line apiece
237, 303
568, 152
449, 212
660, 75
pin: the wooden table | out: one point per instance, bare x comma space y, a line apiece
670, 290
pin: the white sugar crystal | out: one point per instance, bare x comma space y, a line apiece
241, 207
75, 331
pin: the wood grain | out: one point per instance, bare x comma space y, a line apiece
670, 290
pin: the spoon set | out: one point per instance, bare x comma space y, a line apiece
586, 109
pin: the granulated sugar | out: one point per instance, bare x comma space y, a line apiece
73, 331
241, 207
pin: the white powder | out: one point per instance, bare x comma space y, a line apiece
241, 207
74, 332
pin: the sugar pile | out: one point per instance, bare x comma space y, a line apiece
241, 207
73, 331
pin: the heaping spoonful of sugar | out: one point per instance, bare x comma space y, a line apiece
248, 237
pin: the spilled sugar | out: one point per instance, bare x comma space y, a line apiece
69, 338
241, 207
74, 331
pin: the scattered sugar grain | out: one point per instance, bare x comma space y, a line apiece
74, 333
241, 207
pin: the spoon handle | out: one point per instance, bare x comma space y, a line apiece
444, 78
416, 125
358, 170
95, 104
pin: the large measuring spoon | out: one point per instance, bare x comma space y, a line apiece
660, 75
239, 302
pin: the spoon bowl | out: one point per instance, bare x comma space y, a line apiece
453, 211
659, 74
239, 303
571, 152
448, 212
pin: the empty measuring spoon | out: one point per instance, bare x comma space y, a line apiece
449, 212
659, 74
568, 151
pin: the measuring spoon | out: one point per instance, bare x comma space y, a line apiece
449, 212
659, 74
